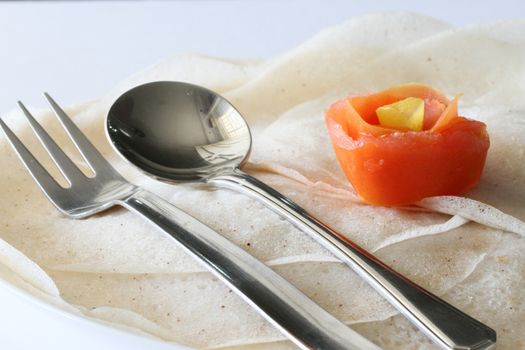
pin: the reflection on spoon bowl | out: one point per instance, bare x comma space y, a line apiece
178, 131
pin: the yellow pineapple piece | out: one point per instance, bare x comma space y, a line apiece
407, 114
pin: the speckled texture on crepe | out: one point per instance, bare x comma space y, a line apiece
117, 268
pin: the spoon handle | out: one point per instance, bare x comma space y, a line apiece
447, 326
292, 312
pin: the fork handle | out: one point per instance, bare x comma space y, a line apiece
447, 326
297, 316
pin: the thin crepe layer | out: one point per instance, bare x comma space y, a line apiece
115, 267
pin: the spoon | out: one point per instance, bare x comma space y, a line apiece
179, 132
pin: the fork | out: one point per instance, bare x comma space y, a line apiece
304, 322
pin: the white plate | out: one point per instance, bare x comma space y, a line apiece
28, 323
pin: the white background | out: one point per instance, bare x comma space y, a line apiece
79, 50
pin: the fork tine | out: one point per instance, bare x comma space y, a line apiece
62, 161
44, 180
91, 155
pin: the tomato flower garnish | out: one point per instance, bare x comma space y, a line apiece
389, 165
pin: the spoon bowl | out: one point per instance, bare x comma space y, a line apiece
178, 132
